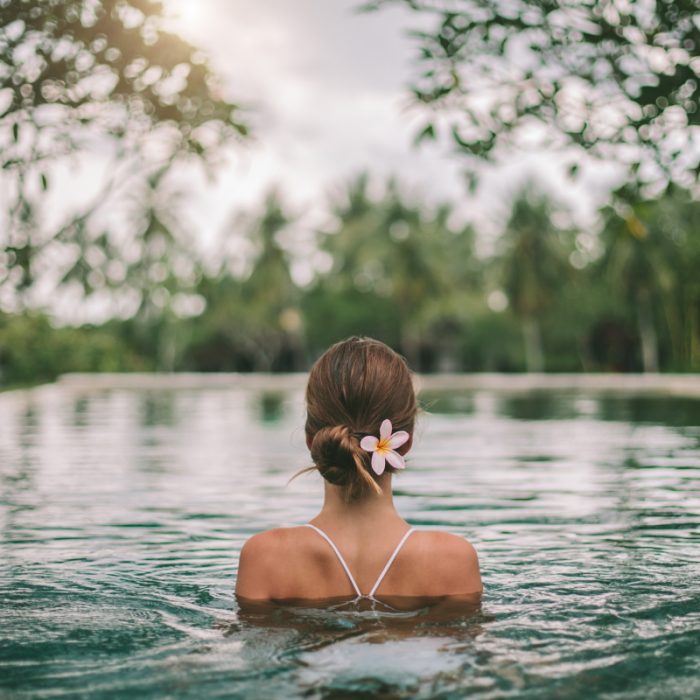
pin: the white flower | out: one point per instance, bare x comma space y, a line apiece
384, 447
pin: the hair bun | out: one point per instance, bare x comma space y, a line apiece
335, 452
353, 387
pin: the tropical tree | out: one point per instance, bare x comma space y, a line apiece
350, 294
617, 79
533, 261
272, 324
680, 212
651, 258
674, 218
89, 77
252, 320
403, 268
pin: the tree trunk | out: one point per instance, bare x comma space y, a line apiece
694, 340
167, 345
534, 357
409, 347
647, 334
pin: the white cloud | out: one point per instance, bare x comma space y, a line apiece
326, 90
328, 95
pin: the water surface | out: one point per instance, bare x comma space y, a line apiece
122, 513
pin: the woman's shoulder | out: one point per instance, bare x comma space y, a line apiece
271, 543
445, 543
437, 542
432, 563
451, 561
261, 557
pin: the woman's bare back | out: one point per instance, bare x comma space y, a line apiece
297, 563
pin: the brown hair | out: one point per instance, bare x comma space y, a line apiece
352, 388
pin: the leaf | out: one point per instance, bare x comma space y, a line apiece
462, 143
425, 134
44, 182
15, 132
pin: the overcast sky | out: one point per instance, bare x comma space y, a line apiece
326, 90
327, 93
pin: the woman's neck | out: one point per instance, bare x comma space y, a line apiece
366, 512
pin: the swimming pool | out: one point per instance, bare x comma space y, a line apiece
122, 513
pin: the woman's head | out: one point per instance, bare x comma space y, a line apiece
352, 388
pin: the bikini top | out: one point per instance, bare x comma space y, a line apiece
387, 566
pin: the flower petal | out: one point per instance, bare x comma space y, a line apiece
378, 463
369, 443
395, 459
385, 429
398, 439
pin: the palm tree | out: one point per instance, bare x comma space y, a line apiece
533, 267
402, 262
652, 256
639, 260
252, 314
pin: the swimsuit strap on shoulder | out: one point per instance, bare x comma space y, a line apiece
339, 555
346, 568
390, 562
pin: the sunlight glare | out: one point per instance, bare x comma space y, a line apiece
187, 15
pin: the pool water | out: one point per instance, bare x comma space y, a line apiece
122, 513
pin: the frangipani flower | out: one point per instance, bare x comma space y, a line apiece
384, 447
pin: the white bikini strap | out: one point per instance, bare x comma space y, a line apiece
340, 556
390, 562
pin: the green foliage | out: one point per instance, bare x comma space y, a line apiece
534, 267
253, 321
616, 78
401, 272
32, 351
491, 342
533, 255
87, 56
331, 314
652, 258
413, 268
588, 327
79, 72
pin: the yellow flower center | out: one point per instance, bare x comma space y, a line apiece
383, 445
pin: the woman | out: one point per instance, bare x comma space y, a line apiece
361, 410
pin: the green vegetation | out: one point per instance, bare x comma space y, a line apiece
104, 76
33, 351
616, 80
400, 272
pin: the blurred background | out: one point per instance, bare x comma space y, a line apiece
221, 185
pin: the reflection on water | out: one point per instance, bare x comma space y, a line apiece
122, 514
271, 407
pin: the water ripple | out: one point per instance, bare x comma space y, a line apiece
122, 514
